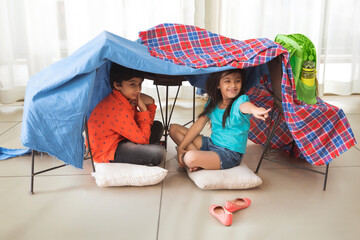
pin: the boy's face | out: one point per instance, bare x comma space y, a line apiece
130, 89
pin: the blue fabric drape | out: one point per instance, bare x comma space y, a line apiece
59, 97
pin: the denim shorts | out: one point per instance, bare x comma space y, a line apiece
228, 158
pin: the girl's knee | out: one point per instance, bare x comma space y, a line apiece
174, 128
190, 158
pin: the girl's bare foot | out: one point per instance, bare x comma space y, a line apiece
194, 169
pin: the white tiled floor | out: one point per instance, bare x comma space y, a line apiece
67, 204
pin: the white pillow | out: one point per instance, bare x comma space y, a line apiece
124, 174
240, 177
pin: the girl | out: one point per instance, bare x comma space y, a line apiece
228, 110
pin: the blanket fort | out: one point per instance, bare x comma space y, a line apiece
60, 97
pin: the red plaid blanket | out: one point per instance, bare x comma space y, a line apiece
321, 132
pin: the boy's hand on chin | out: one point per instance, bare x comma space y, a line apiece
140, 103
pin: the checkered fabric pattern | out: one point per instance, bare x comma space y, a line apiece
260, 96
321, 132
198, 48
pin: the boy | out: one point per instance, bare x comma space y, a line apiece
122, 127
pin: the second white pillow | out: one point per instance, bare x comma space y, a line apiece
240, 177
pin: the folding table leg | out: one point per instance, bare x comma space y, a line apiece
194, 95
166, 120
88, 142
268, 140
326, 176
32, 172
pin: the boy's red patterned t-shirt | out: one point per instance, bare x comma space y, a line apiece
114, 120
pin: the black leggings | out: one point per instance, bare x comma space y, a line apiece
142, 154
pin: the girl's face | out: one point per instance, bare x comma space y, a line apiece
230, 85
130, 89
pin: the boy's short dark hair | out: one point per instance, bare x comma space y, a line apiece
119, 74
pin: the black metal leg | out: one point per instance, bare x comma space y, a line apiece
194, 95
88, 142
173, 106
193, 119
292, 148
326, 176
167, 119
166, 127
32, 172
161, 111
268, 140
267, 146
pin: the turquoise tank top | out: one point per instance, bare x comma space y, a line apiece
235, 134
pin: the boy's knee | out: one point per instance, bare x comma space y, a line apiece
158, 125
157, 154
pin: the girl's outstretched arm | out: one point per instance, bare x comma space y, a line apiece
258, 112
190, 136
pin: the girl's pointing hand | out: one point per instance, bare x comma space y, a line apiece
261, 113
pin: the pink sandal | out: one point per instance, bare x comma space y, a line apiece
221, 214
237, 204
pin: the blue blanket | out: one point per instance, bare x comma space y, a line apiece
6, 153
60, 97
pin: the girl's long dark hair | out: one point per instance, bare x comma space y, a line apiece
214, 93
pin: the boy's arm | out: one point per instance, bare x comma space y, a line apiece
258, 112
137, 129
147, 99
137, 134
150, 105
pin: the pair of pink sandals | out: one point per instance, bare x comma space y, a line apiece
224, 214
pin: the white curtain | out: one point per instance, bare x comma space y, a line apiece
332, 25
37, 33
28, 43
340, 71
